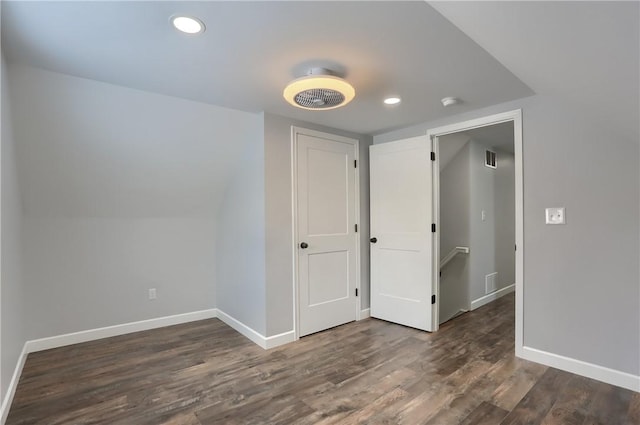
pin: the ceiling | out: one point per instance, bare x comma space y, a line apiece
497, 136
583, 53
250, 51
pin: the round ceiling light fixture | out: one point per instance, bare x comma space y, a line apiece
319, 90
449, 101
187, 24
392, 101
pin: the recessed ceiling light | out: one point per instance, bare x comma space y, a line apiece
449, 101
319, 90
187, 24
392, 100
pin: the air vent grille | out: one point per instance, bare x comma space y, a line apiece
490, 159
319, 98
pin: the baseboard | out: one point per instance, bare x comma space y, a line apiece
364, 313
492, 296
91, 335
11, 390
579, 367
109, 331
257, 337
280, 339
143, 325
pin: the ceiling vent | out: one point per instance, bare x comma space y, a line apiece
319, 90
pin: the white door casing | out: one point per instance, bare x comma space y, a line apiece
326, 212
401, 193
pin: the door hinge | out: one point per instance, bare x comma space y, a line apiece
433, 156
516, 248
356, 292
356, 228
355, 163
433, 299
433, 227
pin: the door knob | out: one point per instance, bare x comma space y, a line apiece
373, 240
304, 245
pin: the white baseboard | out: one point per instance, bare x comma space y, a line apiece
257, 337
91, 335
590, 370
143, 325
109, 331
11, 390
492, 296
364, 313
280, 339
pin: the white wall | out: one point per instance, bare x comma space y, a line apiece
240, 259
279, 218
12, 332
121, 189
581, 291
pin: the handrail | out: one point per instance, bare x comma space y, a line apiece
455, 251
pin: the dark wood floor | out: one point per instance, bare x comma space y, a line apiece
366, 372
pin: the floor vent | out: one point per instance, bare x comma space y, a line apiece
490, 283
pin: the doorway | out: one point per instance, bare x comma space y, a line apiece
399, 212
477, 217
514, 117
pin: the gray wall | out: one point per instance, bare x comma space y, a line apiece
240, 278
120, 192
279, 218
581, 292
86, 273
467, 187
492, 240
12, 332
505, 229
455, 199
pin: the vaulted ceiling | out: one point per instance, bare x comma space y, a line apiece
250, 50
584, 53
483, 52
82, 154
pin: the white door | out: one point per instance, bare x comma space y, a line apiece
401, 234
326, 196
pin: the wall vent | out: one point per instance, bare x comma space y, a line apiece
490, 159
490, 283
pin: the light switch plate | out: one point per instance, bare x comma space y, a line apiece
554, 215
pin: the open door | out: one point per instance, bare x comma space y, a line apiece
401, 233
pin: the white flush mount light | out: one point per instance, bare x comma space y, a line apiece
449, 101
319, 91
187, 24
392, 101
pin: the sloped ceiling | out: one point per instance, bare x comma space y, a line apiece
584, 53
250, 51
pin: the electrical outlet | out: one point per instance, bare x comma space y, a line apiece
152, 293
554, 215
484, 215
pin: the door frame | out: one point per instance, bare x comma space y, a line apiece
516, 117
295, 131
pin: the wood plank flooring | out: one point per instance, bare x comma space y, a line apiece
368, 372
